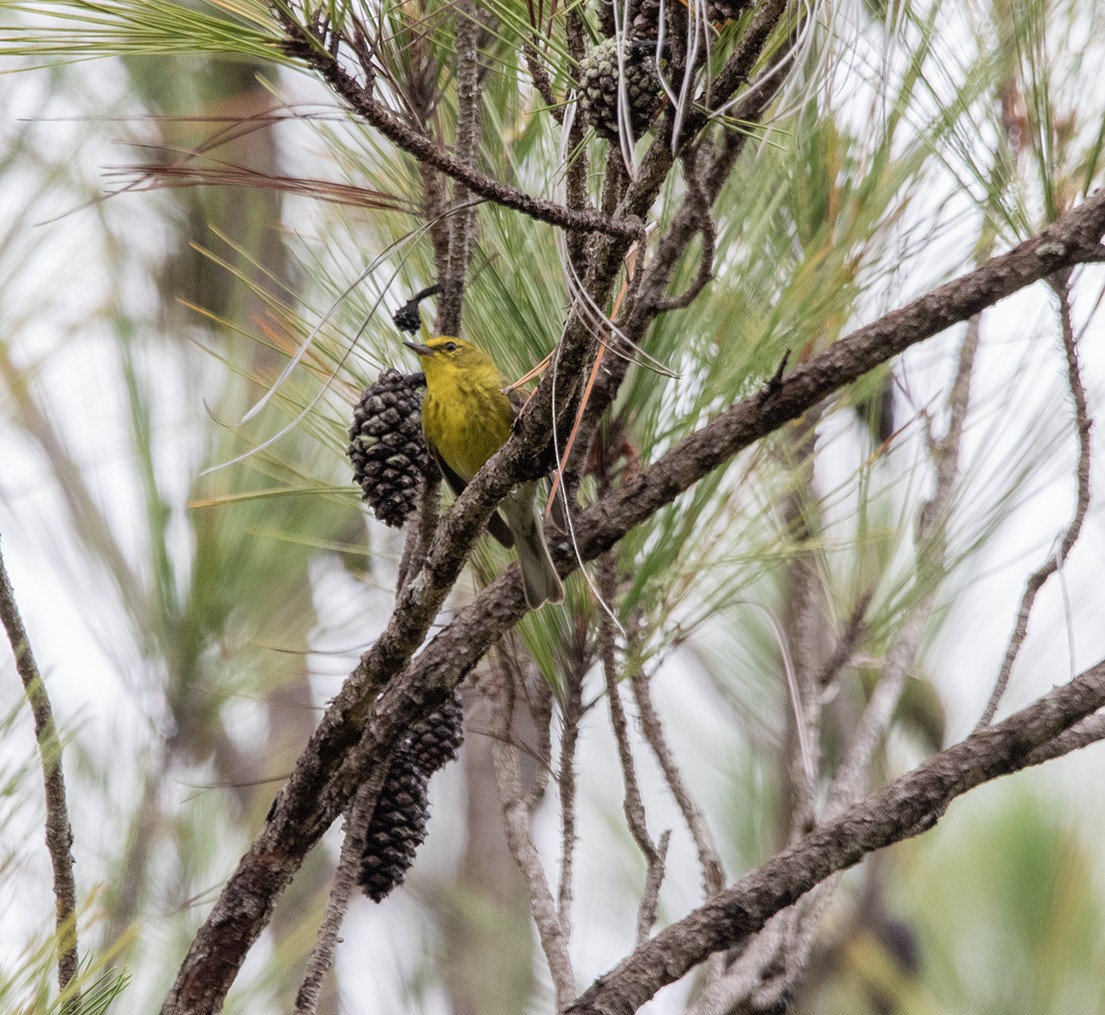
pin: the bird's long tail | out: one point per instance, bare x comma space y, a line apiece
539, 578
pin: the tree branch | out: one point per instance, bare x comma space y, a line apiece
1039, 577
516, 820
462, 233
59, 833
304, 46
904, 808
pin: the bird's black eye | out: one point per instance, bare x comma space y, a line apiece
450, 346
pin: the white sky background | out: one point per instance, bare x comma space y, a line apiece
97, 691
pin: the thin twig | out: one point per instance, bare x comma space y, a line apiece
341, 891
1036, 581
59, 832
421, 534
632, 804
540, 701
806, 627
931, 551
302, 45
846, 643
650, 896
699, 204
713, 875
539, 74
571, 717
723, 994
801, 928
516, 817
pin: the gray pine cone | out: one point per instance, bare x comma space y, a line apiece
397, 828
398, 824
436, 741
386, 445
598, 86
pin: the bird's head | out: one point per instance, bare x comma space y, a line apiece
447, 355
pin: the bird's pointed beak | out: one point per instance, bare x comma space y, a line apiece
418, 347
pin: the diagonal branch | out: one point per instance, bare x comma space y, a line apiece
906, 807
304, 46
59, 832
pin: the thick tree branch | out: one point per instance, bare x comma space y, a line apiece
367, 718
906, 807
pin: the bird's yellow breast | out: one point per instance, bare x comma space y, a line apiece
465, 415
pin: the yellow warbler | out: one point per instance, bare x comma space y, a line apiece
466, 418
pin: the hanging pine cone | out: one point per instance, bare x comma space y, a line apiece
435, 741
386, 445
398, 824
598, 86
397, 828
408, 317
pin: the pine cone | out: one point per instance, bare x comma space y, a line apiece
598, 86
397, 828
398, 824
726, 10
408, 317
435, 742
386, 445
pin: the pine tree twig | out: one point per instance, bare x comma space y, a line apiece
650, 897
902, 809
541, 707
632, 803
59, 831
1082, 425
516, 817
571, 720
539, 75
931, 554
724, 994
341, 891
806, 625
801, 928
421, 534
713, 875
846, 644
577, 179
379, 700
303, 46
462, 234
698, 205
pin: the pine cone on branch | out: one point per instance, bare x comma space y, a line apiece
386, 447
398, 823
